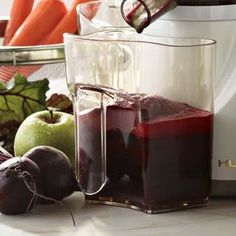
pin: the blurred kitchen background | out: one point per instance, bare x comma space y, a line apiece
5, 6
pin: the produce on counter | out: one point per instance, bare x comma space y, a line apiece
52, 128
20, 98
67, 24
45, 24
39, 23
58, 177
15, 196
43, 173
19, 11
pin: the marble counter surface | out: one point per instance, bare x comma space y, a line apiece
219, 218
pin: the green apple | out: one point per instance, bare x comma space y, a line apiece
54, 129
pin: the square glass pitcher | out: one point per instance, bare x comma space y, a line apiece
143, 110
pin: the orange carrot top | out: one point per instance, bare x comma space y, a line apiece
19, 11
67, 24
40, 22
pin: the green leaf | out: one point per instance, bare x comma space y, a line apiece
19, 98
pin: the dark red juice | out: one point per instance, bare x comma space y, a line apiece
158, 153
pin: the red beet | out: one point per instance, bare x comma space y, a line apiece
19, 178
58, 178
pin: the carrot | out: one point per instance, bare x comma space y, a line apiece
19, 11
67, 24
41, 21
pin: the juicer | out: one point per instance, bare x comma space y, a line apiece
214, 19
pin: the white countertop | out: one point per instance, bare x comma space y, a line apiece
219, 218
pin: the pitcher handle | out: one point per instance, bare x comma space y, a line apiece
90, 152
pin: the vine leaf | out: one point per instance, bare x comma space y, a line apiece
19, 98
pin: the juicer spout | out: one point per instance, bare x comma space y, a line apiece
140, 13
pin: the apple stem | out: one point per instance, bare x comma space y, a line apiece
51, 116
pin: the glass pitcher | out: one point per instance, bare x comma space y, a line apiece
139, 14
98, 15
143, 110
